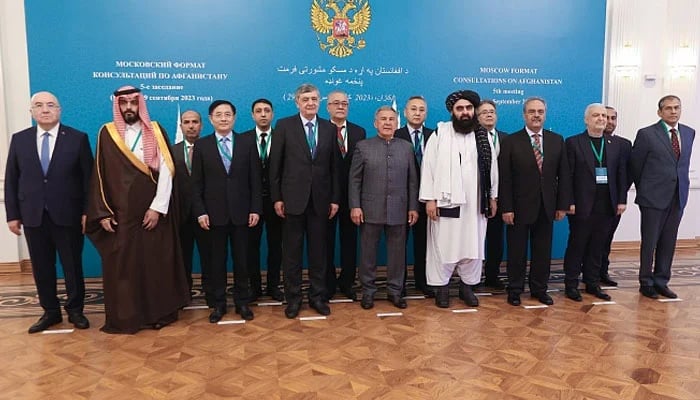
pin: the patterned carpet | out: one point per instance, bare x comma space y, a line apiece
21, 301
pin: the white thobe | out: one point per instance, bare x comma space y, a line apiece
456, 242
164, 185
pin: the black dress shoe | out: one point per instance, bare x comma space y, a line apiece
349, 293
426, 291
442, 296
367, 301
467, 294
597, 292
573, 293
275, 293
245, 312
514, 299
665, 291
397, 301
605, 280
292, 310
543, 298
217, 314
78, 320
648, 291
47, 320
320, 307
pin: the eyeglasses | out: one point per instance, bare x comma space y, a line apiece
487, 112
50, 106
340, 103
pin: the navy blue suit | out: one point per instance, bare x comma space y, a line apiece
50, 207
662, 184
595, 204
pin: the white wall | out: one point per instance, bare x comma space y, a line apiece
654, 30
654, 35
14, 107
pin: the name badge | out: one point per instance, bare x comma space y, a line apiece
601, 176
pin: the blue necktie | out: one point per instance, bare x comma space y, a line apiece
45, 157
225, 153
310, 137
416, 145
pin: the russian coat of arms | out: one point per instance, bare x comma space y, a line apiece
349, 17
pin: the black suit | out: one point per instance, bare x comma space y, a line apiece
50, 207
348, 230
494, 236
420, 227
190, 231
534, 198
595, 203
307, 184
227, 197
273, 227
605, 263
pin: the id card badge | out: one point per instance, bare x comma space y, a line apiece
601, 176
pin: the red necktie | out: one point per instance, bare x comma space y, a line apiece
675, 144
341, 141
538, 152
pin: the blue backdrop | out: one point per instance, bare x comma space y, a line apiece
189, 53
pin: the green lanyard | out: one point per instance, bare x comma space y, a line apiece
133, 146
188, 162
599, 155
224, 150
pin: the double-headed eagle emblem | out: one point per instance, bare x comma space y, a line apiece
340, 28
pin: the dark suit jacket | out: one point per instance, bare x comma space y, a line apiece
63, 191
184, 182
520, 184
296, 177
226, 196
355, 133
264, 166
655, 170
582, 164
403, 133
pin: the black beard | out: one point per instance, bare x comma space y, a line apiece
464, 125
130, 118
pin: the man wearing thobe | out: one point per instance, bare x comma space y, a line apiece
459, 183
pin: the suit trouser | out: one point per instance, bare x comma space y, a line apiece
605, 262
659, 229
494, 248
419, 230
539, 234
273, 233
348, 252
293, 230
43, 242
221, 236
587, 238
191, 233
396, 257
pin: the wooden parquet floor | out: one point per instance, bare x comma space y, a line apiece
635, 349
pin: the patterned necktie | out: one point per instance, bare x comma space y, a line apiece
263, 147
310, 137
675, 144
45, 157
416, 145
538, 152
225, 152
341, 141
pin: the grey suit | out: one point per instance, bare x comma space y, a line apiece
383, 182
662, 184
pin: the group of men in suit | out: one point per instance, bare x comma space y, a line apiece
318, 174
